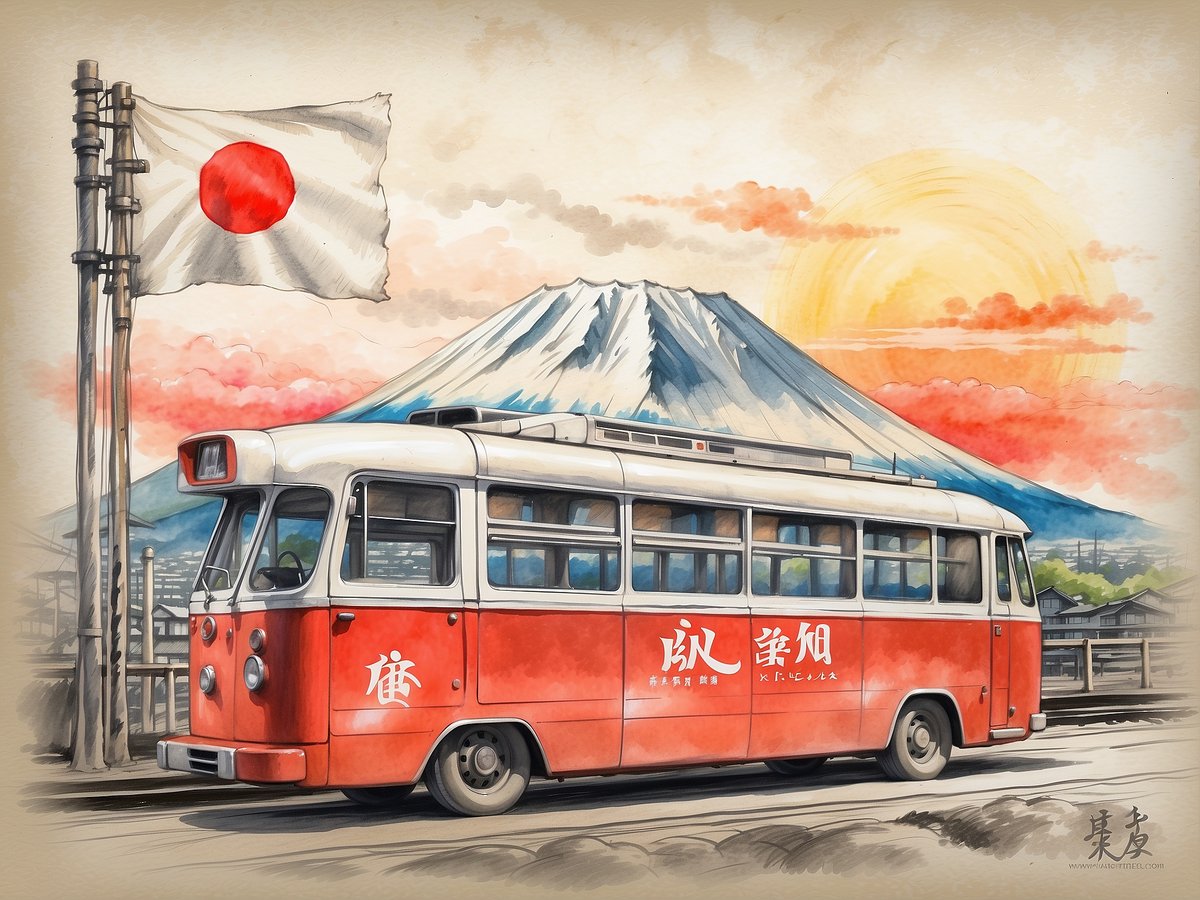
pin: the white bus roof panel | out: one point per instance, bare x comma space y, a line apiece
522, 459
334, 449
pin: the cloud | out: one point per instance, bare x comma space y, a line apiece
183, 384
1001, 312
1091, 433
469, 277
602, 234
1111, 253
776, 212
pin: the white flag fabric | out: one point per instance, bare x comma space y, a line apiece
287, 198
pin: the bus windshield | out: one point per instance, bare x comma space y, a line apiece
232, 542
287, 551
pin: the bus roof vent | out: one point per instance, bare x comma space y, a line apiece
668, 440
453, 416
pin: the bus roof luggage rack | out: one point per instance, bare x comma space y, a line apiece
654, 439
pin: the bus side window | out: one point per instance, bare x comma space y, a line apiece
1003, 583
960, 573
802, 556
555, 540
897, 562
686, 548
401, 533
1021, 568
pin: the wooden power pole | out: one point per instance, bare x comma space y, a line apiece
121, 205
88, 754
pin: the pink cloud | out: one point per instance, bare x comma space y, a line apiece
747, 206
182, 384
1091, 433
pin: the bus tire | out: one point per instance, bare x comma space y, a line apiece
921, 741
479, 770
795, 768
379, 796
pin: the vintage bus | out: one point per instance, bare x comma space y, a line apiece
479, 596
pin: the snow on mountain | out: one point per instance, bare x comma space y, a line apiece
646, 352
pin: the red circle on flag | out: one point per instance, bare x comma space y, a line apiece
246, 187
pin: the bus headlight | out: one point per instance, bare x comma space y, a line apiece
258, 640
207, 679
254, 673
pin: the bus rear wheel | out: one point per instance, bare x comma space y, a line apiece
378, 796
479, 770
921, 741
795, 768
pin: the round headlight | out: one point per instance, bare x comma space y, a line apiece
254, 673
258, 640
207, 679
208, 629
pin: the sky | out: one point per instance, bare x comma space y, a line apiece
985, 218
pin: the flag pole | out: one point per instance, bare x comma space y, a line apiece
121, 205
88, 751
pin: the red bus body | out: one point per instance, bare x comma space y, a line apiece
596, 681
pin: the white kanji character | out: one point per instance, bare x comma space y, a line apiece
772, 644
391, 676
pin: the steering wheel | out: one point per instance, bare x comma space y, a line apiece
299, 564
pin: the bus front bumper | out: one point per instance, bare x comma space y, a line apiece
236, 762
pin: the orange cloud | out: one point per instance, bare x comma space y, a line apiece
1091, 433
747, 206
1111, 253
1001, 312
182, 385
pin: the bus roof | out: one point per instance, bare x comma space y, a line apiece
334, 450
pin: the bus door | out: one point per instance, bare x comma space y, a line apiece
687, 636
397, 631
1002, 600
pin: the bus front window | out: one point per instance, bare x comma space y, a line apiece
232, 543
291, 540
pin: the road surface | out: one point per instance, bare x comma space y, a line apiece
1056, 812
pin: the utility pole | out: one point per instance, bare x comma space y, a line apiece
122, 206
88, 752
148, 637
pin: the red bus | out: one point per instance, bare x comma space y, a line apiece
480, 596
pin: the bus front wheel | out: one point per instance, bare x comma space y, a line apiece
921, 740
479, 770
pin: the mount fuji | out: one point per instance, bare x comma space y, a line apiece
645, 352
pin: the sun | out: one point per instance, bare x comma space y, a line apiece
950, 225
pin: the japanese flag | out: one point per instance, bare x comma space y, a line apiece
287, 198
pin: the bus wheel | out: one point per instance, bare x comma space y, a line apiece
794, 768
920, 744
479, 770
378, 796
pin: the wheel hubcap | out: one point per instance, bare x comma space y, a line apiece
922, 746
482, 759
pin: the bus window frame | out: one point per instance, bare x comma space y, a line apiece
881, 604
383, 594
775, 548
313, 591
962, 607
523, 534
225, 595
